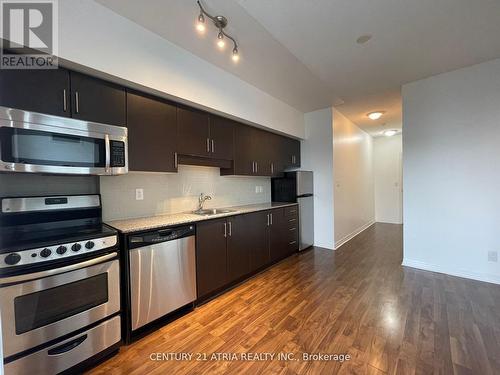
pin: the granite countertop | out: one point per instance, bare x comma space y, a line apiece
155, 222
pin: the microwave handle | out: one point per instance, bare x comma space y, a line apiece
108, 153
56, 271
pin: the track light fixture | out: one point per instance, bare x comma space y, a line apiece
220, 23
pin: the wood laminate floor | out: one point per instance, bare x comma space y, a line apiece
358, 300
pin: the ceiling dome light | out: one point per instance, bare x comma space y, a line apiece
390, 133
363, 39
375, 115
236, 55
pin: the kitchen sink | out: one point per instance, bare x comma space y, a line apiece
212, 211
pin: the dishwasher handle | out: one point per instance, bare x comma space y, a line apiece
159, 236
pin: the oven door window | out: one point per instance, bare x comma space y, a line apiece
45, 148
51, 305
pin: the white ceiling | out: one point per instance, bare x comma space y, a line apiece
304, 52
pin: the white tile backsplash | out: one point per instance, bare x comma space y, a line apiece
178, 192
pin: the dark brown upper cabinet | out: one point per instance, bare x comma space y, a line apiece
193, 132
244, 160
292, 152
43, 91
261, 153
96, 100
152, 134
203, 135
221, 138
277, 149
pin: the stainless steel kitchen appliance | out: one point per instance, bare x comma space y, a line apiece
297, 187
59, 283
162, 274
38, 143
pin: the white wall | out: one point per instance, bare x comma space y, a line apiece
452, 172
94, 36
353, 176
178, 192
387, 170
317, 156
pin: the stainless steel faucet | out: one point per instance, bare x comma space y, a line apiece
201, 200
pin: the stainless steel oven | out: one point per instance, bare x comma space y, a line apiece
39, 143
43, 306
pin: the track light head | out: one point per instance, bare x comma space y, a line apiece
221, 43
236, 55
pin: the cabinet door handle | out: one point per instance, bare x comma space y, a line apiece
272, 168
271, 219
65, 101
208, 144
213, 146
253, 167
256, 167
77, 102
291, 220
292, 229
267, 219
230, 229
293, 242
176, 162
225, 230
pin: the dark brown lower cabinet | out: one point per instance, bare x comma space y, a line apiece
259, 244
211, 256
278, 234
229, 249
238, 247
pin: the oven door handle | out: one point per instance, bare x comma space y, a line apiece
56, 271
66, 347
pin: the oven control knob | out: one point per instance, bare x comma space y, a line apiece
76, 247
89, 245
45, 253
61, 250
12, 259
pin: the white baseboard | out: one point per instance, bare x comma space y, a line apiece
350, 236
488, 278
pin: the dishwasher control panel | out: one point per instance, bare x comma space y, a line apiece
160, 235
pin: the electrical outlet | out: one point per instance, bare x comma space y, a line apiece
256, 190
261, 189
492, 256
139, 194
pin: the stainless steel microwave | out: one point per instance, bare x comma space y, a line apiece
37, 143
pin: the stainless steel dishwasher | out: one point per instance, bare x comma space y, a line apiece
162, 273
